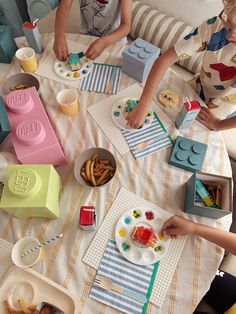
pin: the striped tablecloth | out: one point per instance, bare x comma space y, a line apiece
151, 178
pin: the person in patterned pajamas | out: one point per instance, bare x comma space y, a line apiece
215, 84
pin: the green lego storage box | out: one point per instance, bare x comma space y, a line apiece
31, 191
195, 208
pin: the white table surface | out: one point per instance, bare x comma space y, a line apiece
152, 178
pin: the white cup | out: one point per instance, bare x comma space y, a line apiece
22, 246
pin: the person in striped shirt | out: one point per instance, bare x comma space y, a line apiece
216, 82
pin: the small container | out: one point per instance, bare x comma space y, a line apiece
48, 308
20, 81
87, 218
32, 35
22, 246
68, 101
26, 57
21, 290
187, 115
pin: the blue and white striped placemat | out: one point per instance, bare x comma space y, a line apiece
98, 79
156, 132
125, 274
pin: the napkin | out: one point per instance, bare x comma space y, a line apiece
5, 257
149, 140
101, 76
136, 278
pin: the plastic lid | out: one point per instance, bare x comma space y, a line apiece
143, 55
184, 145
133, 49
197, 149
194, 160
30, 132
139, 44
180, 155
19, 101
24, 182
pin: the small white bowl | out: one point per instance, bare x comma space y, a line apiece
86, 155
20, 79
21, 290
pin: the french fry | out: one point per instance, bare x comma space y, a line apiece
102, 176
88, 163
83, 174
92, 173
104, 161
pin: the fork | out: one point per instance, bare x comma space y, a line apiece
107, 284
144, 145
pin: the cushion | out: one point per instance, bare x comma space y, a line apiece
161, 30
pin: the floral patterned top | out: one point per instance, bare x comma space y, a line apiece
216, 83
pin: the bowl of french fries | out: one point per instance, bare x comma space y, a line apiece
95, 167
20, 81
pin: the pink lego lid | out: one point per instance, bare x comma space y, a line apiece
30, 132
19, 101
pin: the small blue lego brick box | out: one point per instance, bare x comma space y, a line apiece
193, 206
138, 59
4, 122
87, 218
188, 154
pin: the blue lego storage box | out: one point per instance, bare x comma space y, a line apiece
192, 206
138, 59
7, 44
4, 122
188, 154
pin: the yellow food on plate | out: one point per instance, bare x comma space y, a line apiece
168, 98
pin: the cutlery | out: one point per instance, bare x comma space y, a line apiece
110, 83
107, 284
144, 145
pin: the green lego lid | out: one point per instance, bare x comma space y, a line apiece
24, 182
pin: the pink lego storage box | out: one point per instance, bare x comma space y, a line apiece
33, 137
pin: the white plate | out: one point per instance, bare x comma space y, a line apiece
45, 290
63, 69
127, 247
119, 112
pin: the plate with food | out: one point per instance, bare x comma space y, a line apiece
120, 110
76, 67
26, 291
138, 236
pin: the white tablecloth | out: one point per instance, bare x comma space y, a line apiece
152, 178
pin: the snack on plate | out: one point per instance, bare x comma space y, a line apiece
168, 98
131, 104
144, 237
19, 86
23, 308
97, 171
47, 308
74, 61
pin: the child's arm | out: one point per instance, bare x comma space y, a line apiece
207, 118
60, 46
177, 225
137, 116
97, 47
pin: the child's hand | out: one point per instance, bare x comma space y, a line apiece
60, 48
136, 117
96, 48
177, 225
207, 118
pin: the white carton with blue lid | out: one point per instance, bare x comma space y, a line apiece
138, 59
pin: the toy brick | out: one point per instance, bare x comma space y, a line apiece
187, 115
87, 218
7, 44
138, 59
4, 122
32, 135
31, 191
188, 154
193, 207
